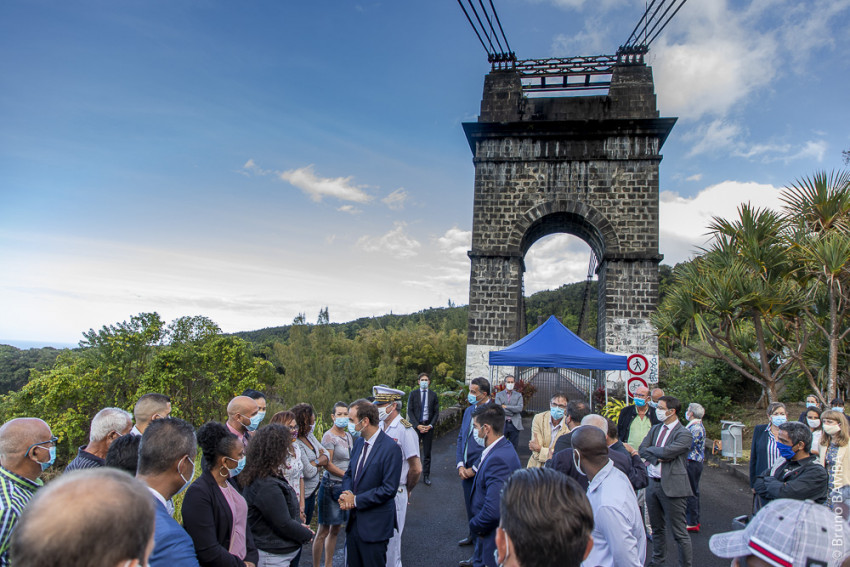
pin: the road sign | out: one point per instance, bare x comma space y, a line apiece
634, 383
638, 364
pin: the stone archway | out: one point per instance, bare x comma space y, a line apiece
586, 166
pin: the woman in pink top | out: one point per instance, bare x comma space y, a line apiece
214, 513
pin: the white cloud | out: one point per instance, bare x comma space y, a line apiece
684, 221
594, 38
317, 188
717, 136
395, 243
350, 209
554, 261
694, 177
396, 199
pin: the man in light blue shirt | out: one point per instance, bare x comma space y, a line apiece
618, 535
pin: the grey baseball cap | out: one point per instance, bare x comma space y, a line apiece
789, 533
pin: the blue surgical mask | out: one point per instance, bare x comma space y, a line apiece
471, 399
556, 412
240, 464
341, 422
352, 430
186, 481
254, 422
785, 450
811, 404
261, 416
423, 384
778, 420
653, 404
478, 439
640, 402
52, 452
839, 409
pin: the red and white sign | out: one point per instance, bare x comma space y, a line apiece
634, 383
638, 364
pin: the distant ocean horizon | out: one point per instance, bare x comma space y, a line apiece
23, 345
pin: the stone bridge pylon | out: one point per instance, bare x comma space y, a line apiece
581, 165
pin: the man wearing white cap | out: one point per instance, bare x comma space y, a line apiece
786, 533
401, 431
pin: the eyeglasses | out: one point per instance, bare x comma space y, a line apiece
562, 406
52, 441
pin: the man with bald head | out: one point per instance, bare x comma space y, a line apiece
27, 447
618, 535
631, 464
89, 518
243, 417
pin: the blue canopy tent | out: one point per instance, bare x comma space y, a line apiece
552, 345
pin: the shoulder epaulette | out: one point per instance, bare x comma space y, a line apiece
406, 423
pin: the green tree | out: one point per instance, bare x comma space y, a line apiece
817, 210
739, 300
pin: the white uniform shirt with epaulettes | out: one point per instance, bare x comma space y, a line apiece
404, 435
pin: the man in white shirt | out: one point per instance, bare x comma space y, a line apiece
618, 535
401, 431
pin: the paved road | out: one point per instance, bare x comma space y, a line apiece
436, 519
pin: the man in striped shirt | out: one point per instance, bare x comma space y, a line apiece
27, 447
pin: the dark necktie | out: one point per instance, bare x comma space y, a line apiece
661, 436
424, 405
360, 463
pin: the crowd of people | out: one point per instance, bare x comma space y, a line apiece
614, 487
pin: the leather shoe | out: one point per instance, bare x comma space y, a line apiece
465, 563
427, 481
466, 541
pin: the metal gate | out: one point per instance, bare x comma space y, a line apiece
576, 384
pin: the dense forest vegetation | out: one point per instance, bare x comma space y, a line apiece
192, 361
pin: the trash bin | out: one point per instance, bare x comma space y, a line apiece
732, 439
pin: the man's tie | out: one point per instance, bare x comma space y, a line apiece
661, 436
424, 405
360, 463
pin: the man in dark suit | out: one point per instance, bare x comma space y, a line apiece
577, 410
498, 461
369, 488
423, 411
665, 449
468, 451
628, 462
166, 466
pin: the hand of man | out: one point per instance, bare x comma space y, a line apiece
422, 428
346, 500
534, 445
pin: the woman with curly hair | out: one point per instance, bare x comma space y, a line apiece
293, 469
214, 513
272, 503
313, 455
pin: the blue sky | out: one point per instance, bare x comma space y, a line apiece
250, 161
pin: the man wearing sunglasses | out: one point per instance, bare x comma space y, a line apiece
27, 448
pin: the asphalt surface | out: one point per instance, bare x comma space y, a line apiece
436, 518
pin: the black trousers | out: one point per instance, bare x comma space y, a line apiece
359, 553
692, 511
512, 434
426, 439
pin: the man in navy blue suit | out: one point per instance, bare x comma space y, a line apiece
498, 461
468, 452
166, 465
369, 488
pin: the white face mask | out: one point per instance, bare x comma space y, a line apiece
186, 481
813, 423
830, 429
661, 414
509, 386
382, 414
577, 463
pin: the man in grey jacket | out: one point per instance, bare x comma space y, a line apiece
665, 449
511, 401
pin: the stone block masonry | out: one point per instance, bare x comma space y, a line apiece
581, 165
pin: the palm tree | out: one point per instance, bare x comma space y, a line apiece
737, 300
818, 213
